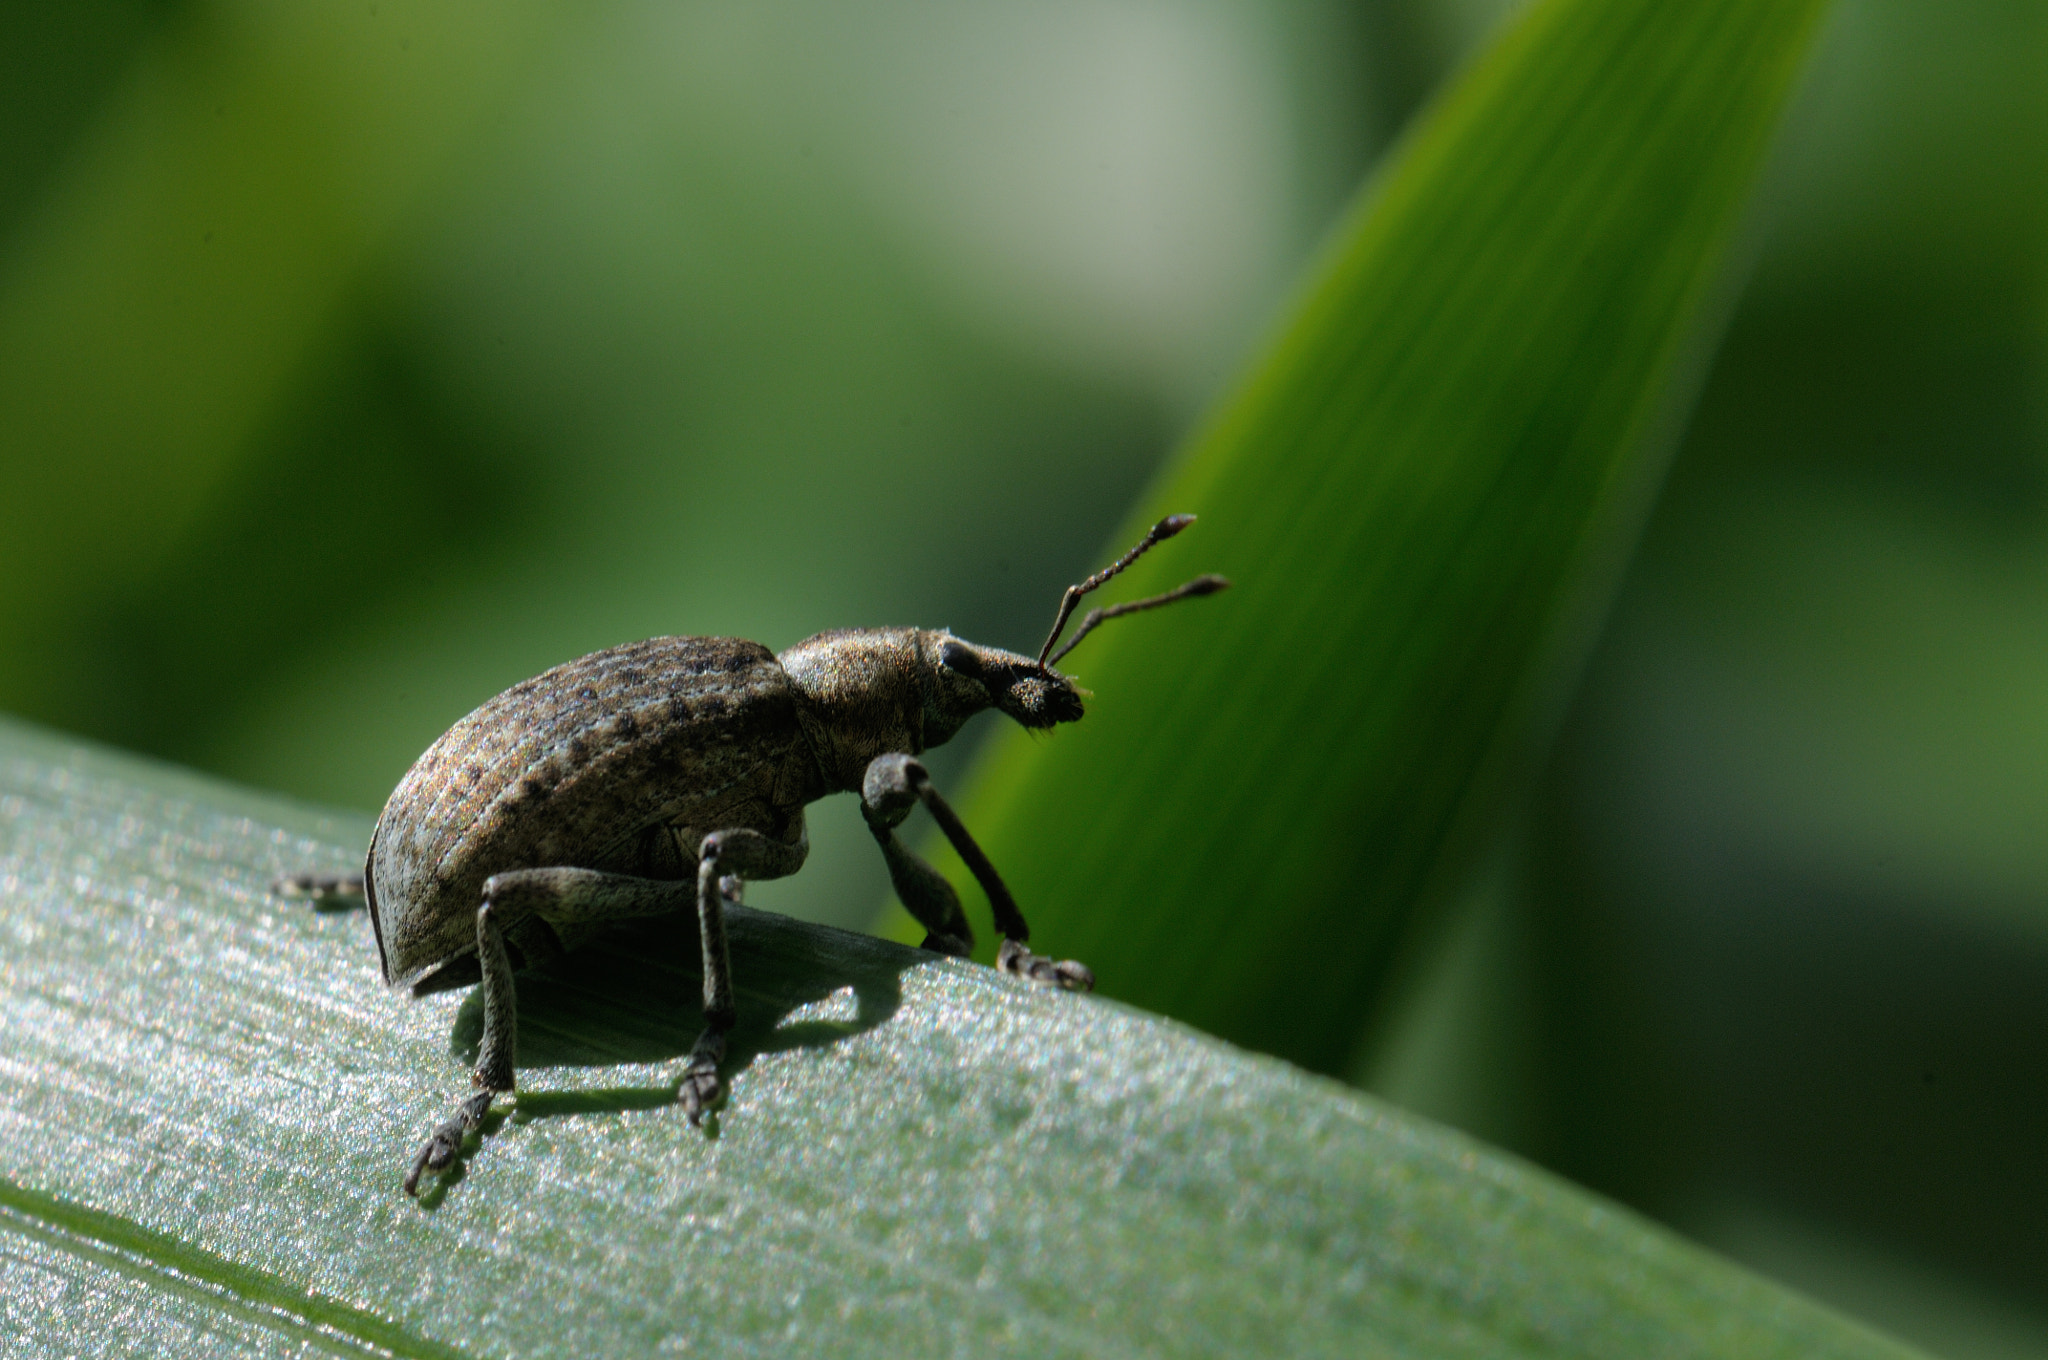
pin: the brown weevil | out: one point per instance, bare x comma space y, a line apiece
657, 777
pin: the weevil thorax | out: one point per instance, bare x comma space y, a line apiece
870, 691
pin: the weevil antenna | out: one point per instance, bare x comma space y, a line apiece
1159, 533
1201, 585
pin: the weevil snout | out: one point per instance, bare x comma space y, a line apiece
1037, 696
973, 677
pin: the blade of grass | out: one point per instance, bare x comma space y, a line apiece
207, 1096
1422, 491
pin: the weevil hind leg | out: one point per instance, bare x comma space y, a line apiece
583, 897
894, 784
438, 1153
512, 901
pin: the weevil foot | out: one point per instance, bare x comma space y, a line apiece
1066, 974
700, 1087
317, 888
446, 1141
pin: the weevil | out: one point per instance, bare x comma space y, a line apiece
659, 777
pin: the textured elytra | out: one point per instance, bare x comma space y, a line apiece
619, 760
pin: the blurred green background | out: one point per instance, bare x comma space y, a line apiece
358, 361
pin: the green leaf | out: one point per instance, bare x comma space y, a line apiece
207, 1098
1423, 492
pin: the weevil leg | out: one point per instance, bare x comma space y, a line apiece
893, 784
921, 888
438, 1154
317, 887
725, 860
511, 902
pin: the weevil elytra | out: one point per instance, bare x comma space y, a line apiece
658, 777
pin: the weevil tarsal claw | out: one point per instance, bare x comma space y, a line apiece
444, 1145
699, 1088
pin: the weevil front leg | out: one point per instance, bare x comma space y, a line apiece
894, 784
921, 888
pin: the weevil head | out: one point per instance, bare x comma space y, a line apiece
874, 690
870, 691
966, 677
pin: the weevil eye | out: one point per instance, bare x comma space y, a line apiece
960, 660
